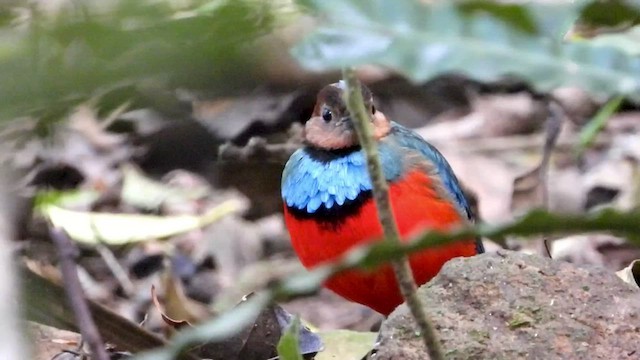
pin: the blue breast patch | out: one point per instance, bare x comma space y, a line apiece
308, 183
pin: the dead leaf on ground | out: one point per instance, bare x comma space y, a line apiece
614, 173
231, 118
528, 191
530, 188
177, 309
631, 274
579, 105
309, 343
257, 341
236, 243
254, 277
49, 341
145, 193
118, 229
595, 249
45, 302
346, 344
490, 116
329, 311
174, 323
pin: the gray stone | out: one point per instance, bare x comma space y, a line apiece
509, 305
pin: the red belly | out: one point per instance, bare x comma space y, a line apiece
416, 207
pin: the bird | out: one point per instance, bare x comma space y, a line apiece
329, 208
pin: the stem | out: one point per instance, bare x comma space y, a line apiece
553, 126
401, 267
67, 254
116, 269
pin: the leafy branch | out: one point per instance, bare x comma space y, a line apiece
537, 222
401, 266
471, 37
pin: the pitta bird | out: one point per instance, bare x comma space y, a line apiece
328, 204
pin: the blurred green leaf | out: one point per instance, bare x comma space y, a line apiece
610, 13
288, 348
65, 198
64, 58
422, 41
512, 14
595, 125
628, 40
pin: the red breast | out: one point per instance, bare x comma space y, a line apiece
416, 207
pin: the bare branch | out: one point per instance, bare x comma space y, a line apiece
67, 254
257, 149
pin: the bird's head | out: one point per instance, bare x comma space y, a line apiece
331, 127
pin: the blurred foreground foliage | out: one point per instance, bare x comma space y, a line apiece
534, 223
52, 59
483, 39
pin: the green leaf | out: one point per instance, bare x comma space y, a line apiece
288, 346
422, 41
346, 344
66, 198
512, 14
60, 59
610, 13
628, 41
595, 125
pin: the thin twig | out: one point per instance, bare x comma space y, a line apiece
501, 144
380, 190
552, 132
116, 269
258, 150
67, 254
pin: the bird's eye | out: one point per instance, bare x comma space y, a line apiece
327, 115
373, 109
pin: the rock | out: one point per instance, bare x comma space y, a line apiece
508, 305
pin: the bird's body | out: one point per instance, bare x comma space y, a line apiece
329, 206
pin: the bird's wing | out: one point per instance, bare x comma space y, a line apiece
407, 138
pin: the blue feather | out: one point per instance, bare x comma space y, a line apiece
308, 183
